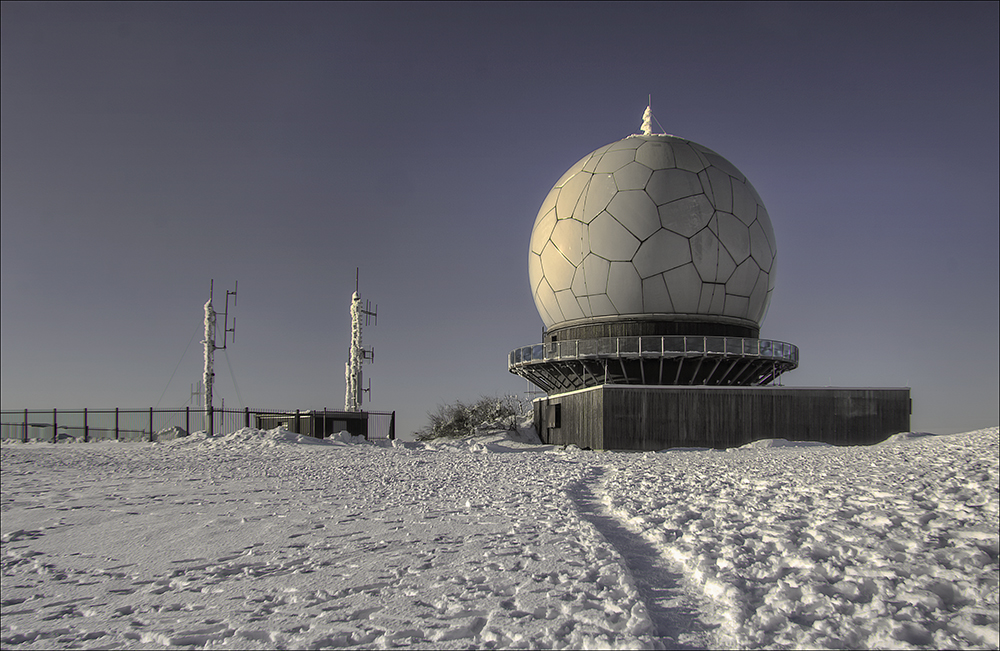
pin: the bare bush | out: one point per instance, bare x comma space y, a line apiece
458, 419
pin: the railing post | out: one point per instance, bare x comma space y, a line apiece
392, 427
55, 425
24, 432
86, 430
246, 417
152, 436
324, 424
116, 423
187, 419
297, 421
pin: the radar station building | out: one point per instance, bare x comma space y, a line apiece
652, 264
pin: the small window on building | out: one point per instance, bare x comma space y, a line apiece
554, 417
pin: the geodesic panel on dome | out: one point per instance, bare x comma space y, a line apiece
625, 288
684, 285
632, 177
634, 210
760, 296
535, 274
662, 251
744, 279
734, 233
613, 160
558, 271
652, 224
722, 189
545, 300
686, 158
743, 200
760, 248
569, 195
610, 239
601, 305
601, 190
543, 229
596, 270
655, 155
705, 254
686, 216
570, 237
655, 297
668, 185
735, 305
568, 304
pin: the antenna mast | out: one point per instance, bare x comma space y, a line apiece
210, 348
358, 354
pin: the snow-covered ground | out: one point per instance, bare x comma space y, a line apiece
270, 540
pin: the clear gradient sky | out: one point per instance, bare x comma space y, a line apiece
149, 148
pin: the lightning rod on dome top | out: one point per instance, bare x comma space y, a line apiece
358, 354
210, 348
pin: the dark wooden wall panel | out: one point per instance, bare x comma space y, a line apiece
581, 422
654, 418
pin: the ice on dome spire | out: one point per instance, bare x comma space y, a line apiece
647, 121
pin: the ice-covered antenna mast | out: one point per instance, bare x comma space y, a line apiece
352, 401
210, 348
647, 120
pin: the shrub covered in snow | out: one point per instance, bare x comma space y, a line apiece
459, 419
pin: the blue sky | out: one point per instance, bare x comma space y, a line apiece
148, 148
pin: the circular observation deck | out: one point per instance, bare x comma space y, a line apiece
561, 366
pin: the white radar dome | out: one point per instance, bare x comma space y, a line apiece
652, 226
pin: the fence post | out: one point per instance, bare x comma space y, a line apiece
55, 425
324, 424
152, 437
86, 430
392, 427
297, 421
246, 417
24, 432
187, 419
116, 423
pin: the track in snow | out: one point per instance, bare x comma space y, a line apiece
673, 611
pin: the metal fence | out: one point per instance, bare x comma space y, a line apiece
151, 424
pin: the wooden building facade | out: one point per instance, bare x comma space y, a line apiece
630, 417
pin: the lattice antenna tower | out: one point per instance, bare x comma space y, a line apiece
358, 354
211, 347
